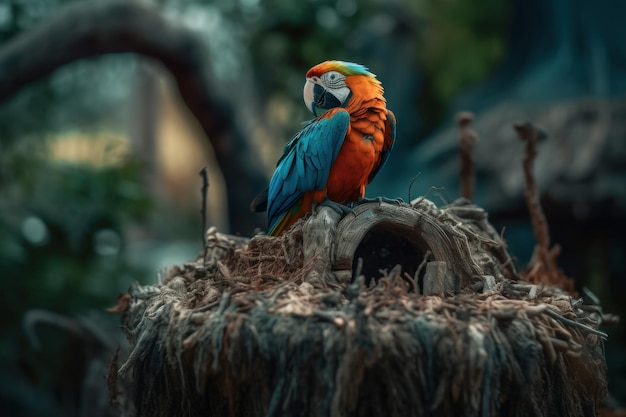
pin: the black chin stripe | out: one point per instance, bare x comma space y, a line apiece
330, 101
324, 99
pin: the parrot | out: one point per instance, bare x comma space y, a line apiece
336, 155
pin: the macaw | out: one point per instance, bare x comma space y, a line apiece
335, 155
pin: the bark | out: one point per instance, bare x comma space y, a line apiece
467, 137
90, 29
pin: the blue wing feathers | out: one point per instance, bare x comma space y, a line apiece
305, 164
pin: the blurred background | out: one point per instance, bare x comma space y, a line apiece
109, 109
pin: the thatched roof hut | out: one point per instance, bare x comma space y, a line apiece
393, 310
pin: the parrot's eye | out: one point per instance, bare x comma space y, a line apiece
333, 79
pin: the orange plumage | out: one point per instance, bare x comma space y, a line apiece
337, 154
369, 137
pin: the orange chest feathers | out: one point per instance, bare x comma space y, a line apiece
360, 154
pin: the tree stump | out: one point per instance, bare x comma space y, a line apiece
392, 310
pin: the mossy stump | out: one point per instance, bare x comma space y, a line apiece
392, 310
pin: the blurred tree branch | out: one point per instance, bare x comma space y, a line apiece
88, 29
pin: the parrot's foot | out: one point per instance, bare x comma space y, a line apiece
380, 200
339, 208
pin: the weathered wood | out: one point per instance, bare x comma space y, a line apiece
418, 226
385, 235
489, 283
220, 245
280, 327
438, 280
318, 240
467, 137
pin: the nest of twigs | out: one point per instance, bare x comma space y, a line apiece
253, 328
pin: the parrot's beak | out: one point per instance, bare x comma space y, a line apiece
308, 94
317, 98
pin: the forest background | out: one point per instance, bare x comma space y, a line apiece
109, 109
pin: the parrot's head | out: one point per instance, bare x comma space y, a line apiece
333, 84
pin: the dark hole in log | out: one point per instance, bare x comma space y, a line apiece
386, 245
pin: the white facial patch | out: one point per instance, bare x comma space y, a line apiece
336, 83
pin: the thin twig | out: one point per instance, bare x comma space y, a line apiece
411, 184
443, 196
205, 188
576, 324
531, 135
467, 137
432, 188
419, 271
594, 299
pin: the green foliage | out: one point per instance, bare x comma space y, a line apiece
460, 42
71, 203
62, 234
